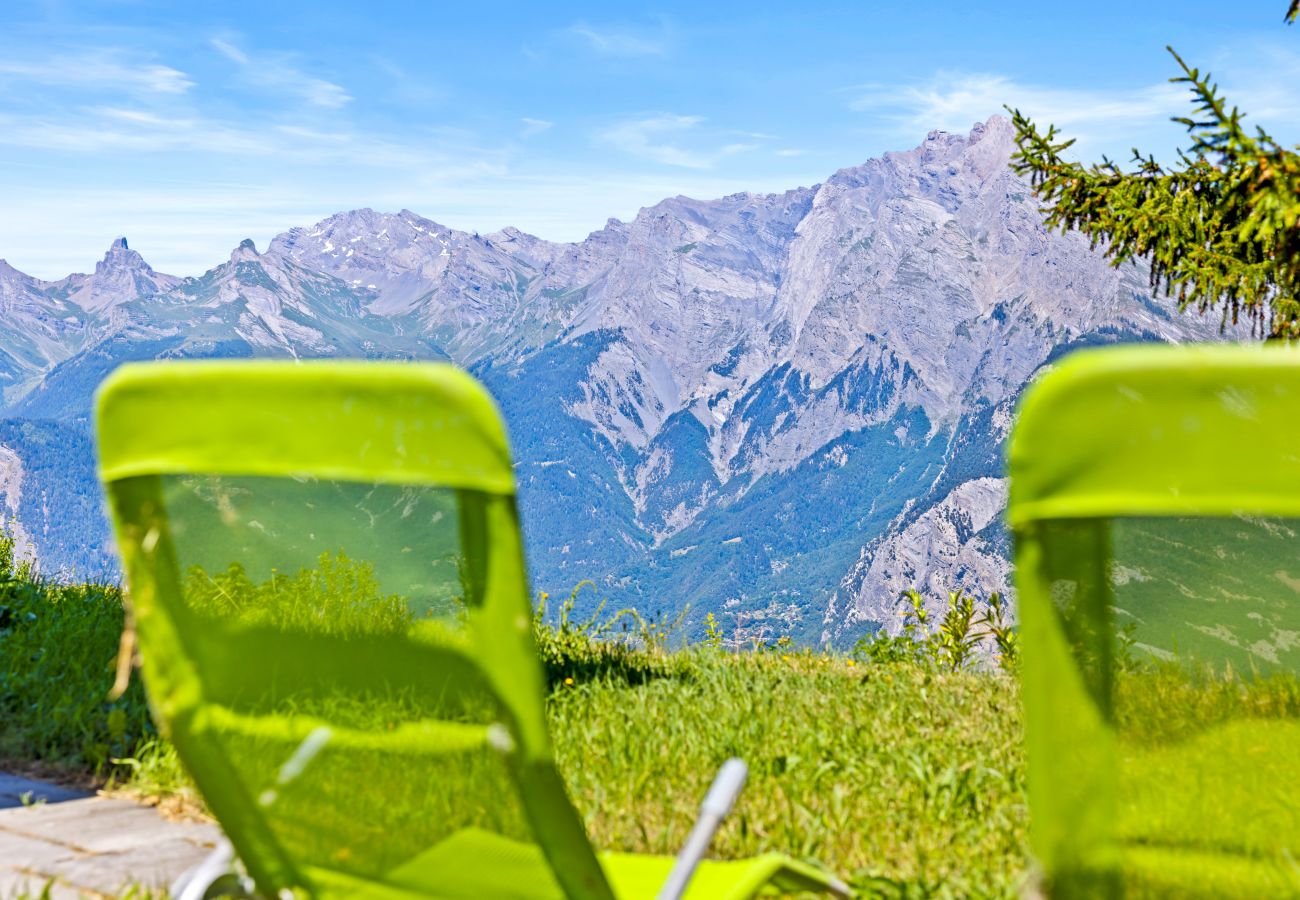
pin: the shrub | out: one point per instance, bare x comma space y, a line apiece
951, 645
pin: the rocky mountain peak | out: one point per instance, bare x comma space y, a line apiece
997, 128
9, 273
398, 257
121, 256
983, 152
245, 252
37, 329
122, 276
997, 131
18, 289
989, 148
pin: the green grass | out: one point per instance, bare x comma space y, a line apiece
908, 782
1206, 774
906, 777
58, 647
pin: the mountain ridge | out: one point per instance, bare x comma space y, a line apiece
827, 372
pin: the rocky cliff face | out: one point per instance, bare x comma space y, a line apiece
784, 408
957, 542
11, 498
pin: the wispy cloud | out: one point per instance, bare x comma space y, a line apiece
1109, 120
534, 126
414, 90
277, 73
1261, 80
140, 117
230, 51
953, 101
663, 139
608, 40
99, 130
103, 70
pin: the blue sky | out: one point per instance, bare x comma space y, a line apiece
189, 126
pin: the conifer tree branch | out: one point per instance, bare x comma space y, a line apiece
1220, 229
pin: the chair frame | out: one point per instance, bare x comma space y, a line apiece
1133, 431
316, 420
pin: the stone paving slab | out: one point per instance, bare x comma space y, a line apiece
91, 846
18, 791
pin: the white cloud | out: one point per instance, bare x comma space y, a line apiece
416, 90
105, 129
534, 126
102, 129
323, 93
230, 51
623, 42
275, 72
102, 69
139, 117
1261, 80
661, 139
951, 101
1258, 79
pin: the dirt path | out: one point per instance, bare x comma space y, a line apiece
85, 845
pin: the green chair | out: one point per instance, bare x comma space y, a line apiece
325, 570
1155, 509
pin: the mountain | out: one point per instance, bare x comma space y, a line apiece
40, 329
780, 408
251, 305
120, 277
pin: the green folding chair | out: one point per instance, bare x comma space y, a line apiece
326, 575
1155, 507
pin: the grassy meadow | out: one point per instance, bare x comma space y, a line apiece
905, 779
899, 766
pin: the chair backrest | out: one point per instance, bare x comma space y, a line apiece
325, 568
1155, 509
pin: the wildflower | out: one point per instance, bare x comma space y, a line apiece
545, 596
785, 657
850, 663
569, 682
